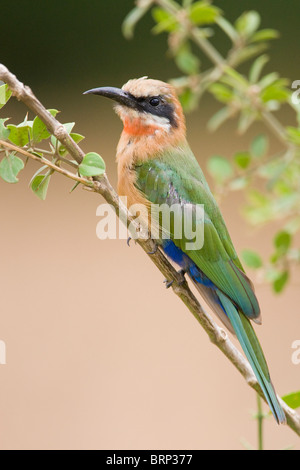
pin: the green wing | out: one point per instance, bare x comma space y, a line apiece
177, 178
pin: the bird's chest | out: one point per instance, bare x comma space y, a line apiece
127, 154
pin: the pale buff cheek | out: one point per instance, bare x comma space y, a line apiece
126, 113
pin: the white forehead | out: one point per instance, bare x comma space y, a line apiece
148, 87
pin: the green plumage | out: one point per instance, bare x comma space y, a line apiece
175, 177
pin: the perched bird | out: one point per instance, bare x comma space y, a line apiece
157, 166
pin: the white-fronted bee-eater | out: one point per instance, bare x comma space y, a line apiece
156, 166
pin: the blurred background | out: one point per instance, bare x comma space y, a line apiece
99, 354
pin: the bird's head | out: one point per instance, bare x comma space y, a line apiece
147, 107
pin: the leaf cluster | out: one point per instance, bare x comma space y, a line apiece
33, 137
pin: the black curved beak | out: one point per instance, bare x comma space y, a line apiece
116, 94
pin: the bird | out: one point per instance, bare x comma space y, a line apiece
157, 166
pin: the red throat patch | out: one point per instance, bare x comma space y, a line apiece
138, 126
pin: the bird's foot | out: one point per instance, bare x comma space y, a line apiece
154, 251
182, 273
149, 252
129, 240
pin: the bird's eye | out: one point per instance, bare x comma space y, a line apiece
154, 101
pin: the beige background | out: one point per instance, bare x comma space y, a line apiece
99, 354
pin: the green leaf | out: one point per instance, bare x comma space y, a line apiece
132, 19
258, 215
221, 92
271, 171
68, 126
238, 183
186, 61
247, 117
280, 282
219, 118
228, 28
92, 165
39, 129
242, 159
77, 137
202, 13
256, 68
271, 274
268, 80
42, 168
165, 21
250, 51
188, 99
276, 94
293, 225
257, 198
10, 166
248, 23
75, 186
265, 35
234, 79
284, 204
293, 134
259, 145
277, 91
62, 149
219, 168
252, 259
4, 132
5, 94
19, 135
39, 185
282, 241
292, 399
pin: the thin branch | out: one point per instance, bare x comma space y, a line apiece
44, 161
275, 126
102, 186
24, 93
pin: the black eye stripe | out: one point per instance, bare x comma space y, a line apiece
157, 106
149, 99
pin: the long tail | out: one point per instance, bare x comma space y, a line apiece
239, 324
254, 354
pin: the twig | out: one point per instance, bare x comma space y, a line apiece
102, 185
44, 161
